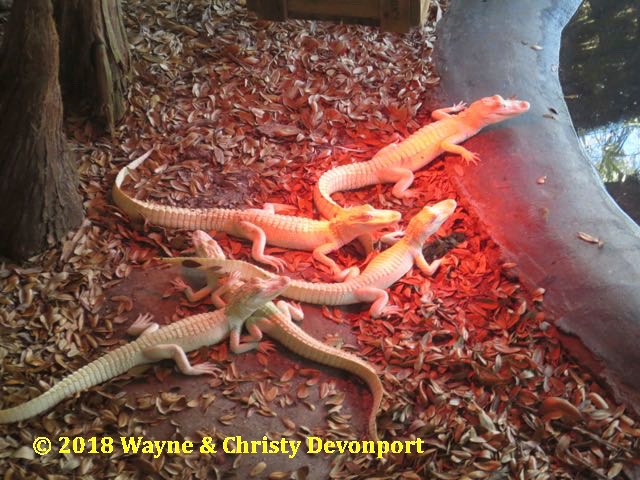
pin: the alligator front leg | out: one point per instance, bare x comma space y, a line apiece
402, 177
142, 325
442, 113
233, 280
247, 343
177, 353
192, 296
427, 268
392, 238
320, 254
450, 145
259, 239
366, 241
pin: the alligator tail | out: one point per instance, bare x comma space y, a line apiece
108, 366
303, 344
344, 177
165, 215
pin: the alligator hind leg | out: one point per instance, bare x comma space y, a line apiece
402, 177
380, 299
176, 352
347, 274
259, 239
274, 208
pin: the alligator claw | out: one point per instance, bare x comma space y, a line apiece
234, 278
296, 311
206, 368
392, 238
141, 324
266, 346
391, 310
471, 158
409, 193
178, 284
291, 309
277, 263
458, 107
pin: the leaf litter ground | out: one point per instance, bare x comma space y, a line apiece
242, 111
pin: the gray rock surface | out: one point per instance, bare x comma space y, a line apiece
484, 48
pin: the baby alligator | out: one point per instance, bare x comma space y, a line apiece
382, 272
396, 163
263, 226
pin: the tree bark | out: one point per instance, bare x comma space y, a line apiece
94, 57
39, 201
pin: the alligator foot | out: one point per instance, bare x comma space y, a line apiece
392, 238
176, 352
142, 325
347, 274
391, 310
292, 309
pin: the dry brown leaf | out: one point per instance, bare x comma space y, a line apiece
553, 408
257, 115
590, 239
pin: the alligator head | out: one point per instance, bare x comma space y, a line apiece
360, 219
493, 109
205, 246
428, 221
256, 292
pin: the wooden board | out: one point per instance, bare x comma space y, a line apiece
333, 9
390, 15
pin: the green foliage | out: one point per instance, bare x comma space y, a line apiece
614, 149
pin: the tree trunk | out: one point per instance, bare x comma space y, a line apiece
39, 201
94, 57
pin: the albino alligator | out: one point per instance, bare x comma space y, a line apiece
171, 341
263, 226
396, 163
275, 321
383, 271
